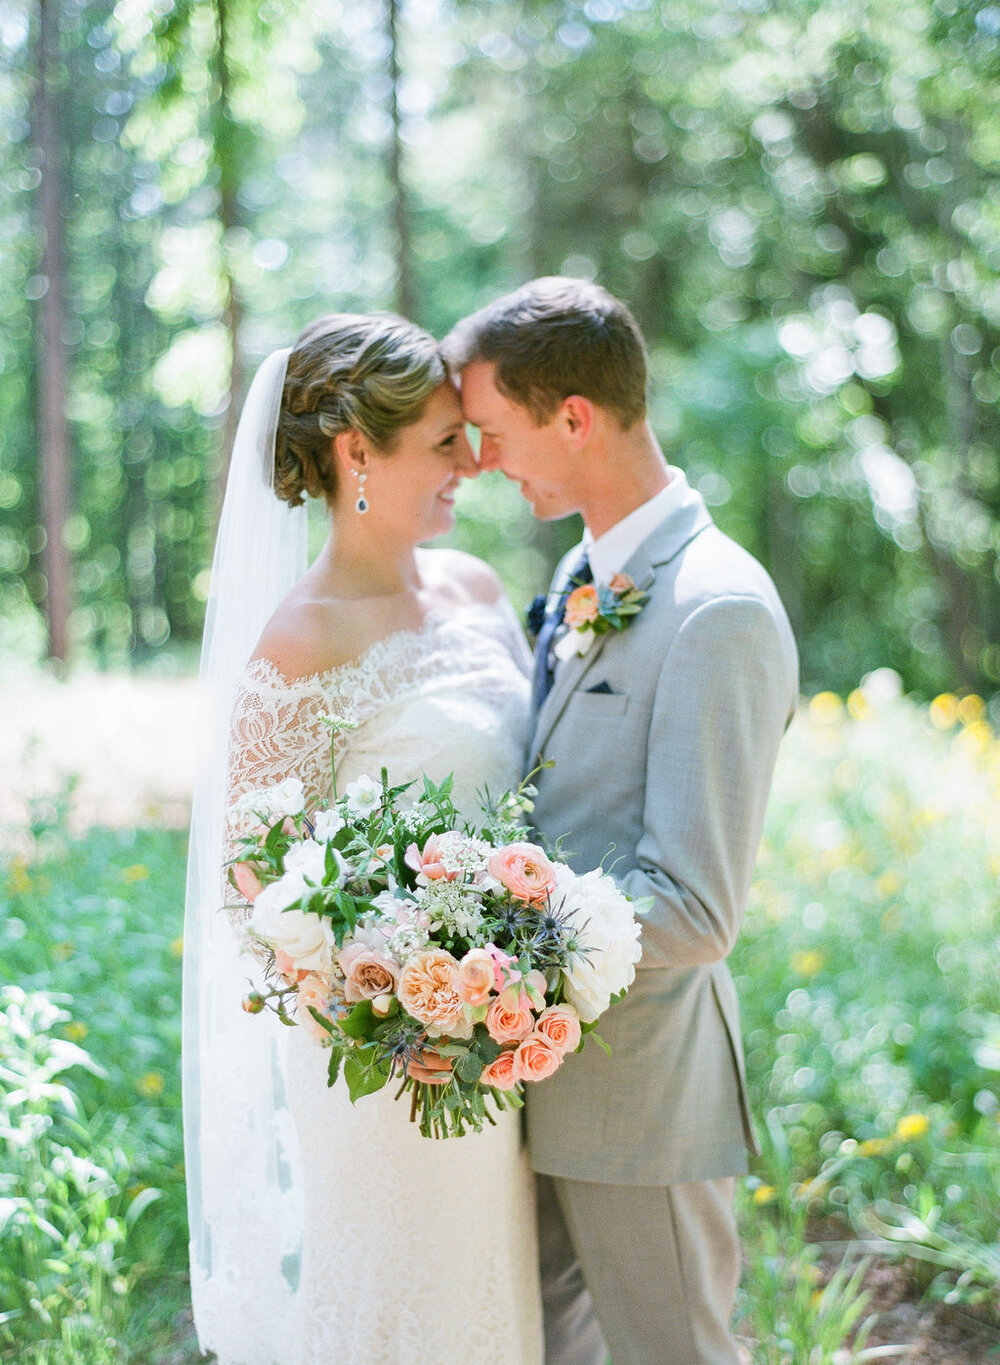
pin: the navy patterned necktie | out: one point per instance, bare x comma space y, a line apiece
543, 677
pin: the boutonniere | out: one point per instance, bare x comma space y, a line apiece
592, 610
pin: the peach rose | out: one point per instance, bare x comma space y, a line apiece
428, 863
506, 1025
248, 884
621, 584
535, 1059
476, 977
560, 1027
582, 606
369, 974
525, 871
500, 1074
428, 991
314, 991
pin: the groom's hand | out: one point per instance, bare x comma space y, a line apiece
431, 1068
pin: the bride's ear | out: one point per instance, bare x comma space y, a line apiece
350, 452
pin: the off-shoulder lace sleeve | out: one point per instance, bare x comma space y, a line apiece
276, 731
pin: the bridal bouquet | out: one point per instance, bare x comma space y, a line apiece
458, 960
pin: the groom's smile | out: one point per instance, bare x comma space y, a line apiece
528, 453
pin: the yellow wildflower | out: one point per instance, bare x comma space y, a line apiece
873, 1146
858, 704
944, 711
971, 709
912, 1126
150, 1086
808, 961
177, 946
888, 884
18, 883
826, 708
764, 1194
76, 1031
138, 872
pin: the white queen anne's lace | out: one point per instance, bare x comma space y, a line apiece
394, 1270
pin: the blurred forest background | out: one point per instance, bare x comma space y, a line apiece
799, 200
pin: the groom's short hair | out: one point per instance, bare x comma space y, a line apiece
555, 337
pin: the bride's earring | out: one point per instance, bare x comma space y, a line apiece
362, 503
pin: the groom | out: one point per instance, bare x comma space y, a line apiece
663, 737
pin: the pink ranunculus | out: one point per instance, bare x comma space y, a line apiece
369, 974
500, 1074
248, 884
428, 863
476, 977
508, 1025
582, 606
560, 1027
525, 871
428, 991
501, 961
535, 1059
621, 583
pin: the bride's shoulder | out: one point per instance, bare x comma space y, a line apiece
459, 578
307, 638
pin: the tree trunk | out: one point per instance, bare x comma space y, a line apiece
405, 299
224, 151
51, 316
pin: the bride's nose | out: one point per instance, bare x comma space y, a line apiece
466, 464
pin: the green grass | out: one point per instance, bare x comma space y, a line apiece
870, 993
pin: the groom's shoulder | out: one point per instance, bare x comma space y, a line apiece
713, 566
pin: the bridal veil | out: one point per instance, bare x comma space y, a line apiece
244, 1198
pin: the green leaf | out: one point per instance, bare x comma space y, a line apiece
469, 1067
321, 1019
360, 1021
333, 1070
364, 1079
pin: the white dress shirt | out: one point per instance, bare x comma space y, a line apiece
609, 553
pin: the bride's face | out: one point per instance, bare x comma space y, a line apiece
412, 490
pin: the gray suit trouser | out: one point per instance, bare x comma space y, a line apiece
645, 1274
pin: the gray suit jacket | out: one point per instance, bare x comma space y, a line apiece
670, 771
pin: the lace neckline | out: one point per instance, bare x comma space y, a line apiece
372, 657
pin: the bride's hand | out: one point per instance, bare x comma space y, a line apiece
431, 1068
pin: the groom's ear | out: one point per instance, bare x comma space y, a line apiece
576, 415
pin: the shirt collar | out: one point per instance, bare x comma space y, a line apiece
610, 552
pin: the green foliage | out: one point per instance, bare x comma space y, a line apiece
867, 973
799, 201
871, 1010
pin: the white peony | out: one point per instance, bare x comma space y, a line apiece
605, 924
326, 825
287, 798
284, 798
308, 859
307, 939
363, 796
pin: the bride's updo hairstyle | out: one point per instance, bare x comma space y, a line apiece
347, 371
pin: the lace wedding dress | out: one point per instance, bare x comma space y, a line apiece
414, 1251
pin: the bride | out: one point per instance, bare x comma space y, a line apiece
321, 1232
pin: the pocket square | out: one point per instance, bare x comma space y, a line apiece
604, 688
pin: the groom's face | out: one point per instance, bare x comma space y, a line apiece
535, 457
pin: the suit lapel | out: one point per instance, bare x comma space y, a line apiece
667, 541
